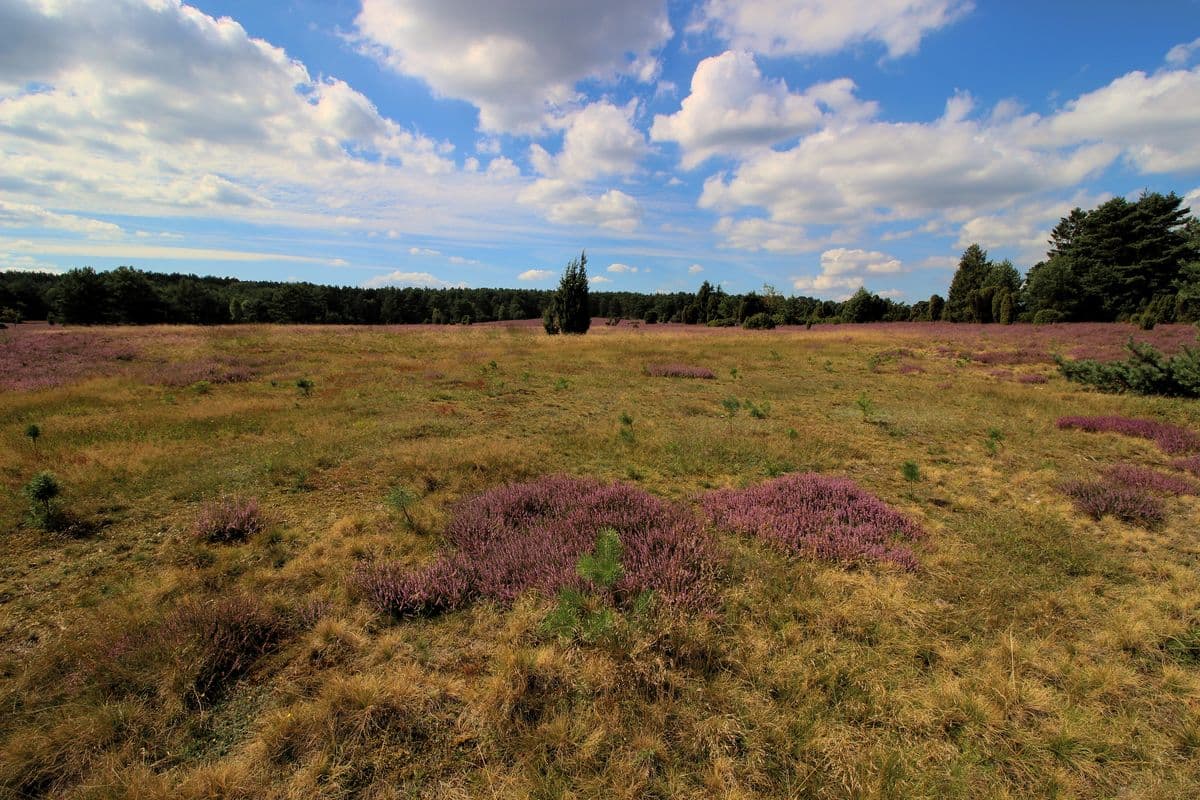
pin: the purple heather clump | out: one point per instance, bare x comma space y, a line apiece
910, 369
816, 515
1191, 464
530, 536
395, 589
1032, 379
1169, 438
679, 371
1150, 480
33, 358
1106, 497
232, 519
186, 373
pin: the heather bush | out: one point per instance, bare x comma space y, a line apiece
530, 537
817, 516
400, 591
213, 643
1105, 497
231, 519
1169, 438
1032, 379
1146, 371
1147, 479
679, 371
1191, 464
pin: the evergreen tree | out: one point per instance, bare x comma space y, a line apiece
568, 310
963, 302
937, 306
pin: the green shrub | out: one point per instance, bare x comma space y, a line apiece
589, 616
1048, 316
759, 321
910, 471
42, 491
1147, 371
305, 386
33, 432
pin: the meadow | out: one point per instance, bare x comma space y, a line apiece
304, 562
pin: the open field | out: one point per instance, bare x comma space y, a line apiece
1032, 652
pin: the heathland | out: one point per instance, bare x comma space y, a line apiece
303, 562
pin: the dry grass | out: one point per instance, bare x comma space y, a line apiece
1034, 652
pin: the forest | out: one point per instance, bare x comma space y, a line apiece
1123, 261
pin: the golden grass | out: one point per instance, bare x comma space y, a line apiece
1029, 657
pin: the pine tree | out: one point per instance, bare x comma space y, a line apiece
568, 310
962, 304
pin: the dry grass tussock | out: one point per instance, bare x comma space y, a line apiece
968, 632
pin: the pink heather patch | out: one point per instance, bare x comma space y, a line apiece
818, 516
230, 520
1099, 498
1000, 373
1032, 379
1191, 464
679, 371
1021, 356
529, 537
909, 369
34, 358
1169, 438
1150, 480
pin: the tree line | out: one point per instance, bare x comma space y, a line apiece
1124, 260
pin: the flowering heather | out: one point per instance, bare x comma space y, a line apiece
530, 536
1032, 378
1191, 464
679, 371
1169, 438
229, 520
815, 515
1150, 480
1106, 497
1009, 357
909, 369
34, 358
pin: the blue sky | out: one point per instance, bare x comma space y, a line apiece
814, 145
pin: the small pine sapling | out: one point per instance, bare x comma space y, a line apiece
42, 491
401, 499
305, 386
910, 471
33, 432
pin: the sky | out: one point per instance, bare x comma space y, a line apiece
811, 145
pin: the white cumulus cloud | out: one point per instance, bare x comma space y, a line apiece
535, 275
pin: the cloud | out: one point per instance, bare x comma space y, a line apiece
1025, 227
1180, 54
822, 27
182, 114
599, 140
535, 275
22, 215
398, 278
598, 279
135, 251
875, 171
513, 59
423, 251
845, 270
1152, 118
560, 201
695, 269
733, 109
621, 268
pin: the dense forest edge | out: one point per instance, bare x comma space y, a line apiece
1123, 261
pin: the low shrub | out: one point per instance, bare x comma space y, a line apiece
1191, 464
722, 322
398, 590
817, 516
1032, 379
679, 371
1147, 371
530, 537
759, 322
213, 643
1105, 497
42, 491
1169, 438
231, 519
1150, 480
